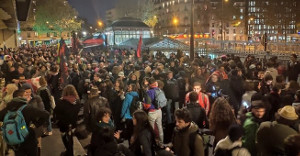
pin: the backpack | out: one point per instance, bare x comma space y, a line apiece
172, 90
160, 99
14, 127
207, 138
226, 152
135, 105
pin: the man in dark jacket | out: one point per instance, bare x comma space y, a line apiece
293, 68
32, 116
181, 138
198, 113
92, 107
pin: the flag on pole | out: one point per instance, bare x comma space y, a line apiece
139, 48
62, 49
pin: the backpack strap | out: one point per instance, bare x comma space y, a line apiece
192, 138
22, 107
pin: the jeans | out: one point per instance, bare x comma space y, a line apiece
155, 117
49, 128
171, 105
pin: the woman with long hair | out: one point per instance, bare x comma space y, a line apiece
116, 104
67, 112
47, 99
221, 117
125, 113
143, 136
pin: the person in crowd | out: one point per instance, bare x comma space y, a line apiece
48, 101
252, 122
220, 118
290, 89
125, 113
203, 99
181, 137
154, 113
67, 112
116, 104
266, 84
292, 145
198, 113
100, 141
271, 135
34, 117
143, 137
213, 88
91, 108
8, 95
172, 94
296, 103
293, 68
275, 102
232, 144
272, 71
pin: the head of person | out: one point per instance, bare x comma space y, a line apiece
140, 122
70, 90
258, 107
94, 92
197, 87
43, 82
297, 95
292, 145
97, 77
28, 91
19, 93
221, 112
21, 69
170, 75
132, 88
10, 89
183, 118
22, 79
193, 96
214, 78
235, 132
104, 115
152, 83
287, 115
293, 57
268, 79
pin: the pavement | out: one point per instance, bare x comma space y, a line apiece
53, 145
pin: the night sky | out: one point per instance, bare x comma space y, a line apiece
92, 9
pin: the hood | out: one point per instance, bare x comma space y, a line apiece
19, 100
133, 93
226, 143
192, 128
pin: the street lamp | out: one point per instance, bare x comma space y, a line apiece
175, 22
100, 23
192, 53
222, 24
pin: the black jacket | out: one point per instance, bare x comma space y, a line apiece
67, 114
91, 109
198, 114
142, 146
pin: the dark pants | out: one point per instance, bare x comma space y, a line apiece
128, 130
67, 139
27, 148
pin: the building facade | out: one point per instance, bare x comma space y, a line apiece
276, 18
126, 28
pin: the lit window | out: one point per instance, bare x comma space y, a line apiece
241, 10
178, 1
185, 1
234, 17
167, 10
163, 5
173, 2
241, 17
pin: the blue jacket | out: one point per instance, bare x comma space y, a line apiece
126, 104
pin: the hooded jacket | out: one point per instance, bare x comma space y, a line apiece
127, 103
181, 141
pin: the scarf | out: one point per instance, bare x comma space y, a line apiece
70, 98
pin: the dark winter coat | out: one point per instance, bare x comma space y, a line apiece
142, 146
67, 114
198, 114
91, 110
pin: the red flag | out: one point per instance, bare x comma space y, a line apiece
139, 48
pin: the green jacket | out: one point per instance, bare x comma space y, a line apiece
250, 127
181, 142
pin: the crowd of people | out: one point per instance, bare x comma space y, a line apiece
248, 107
